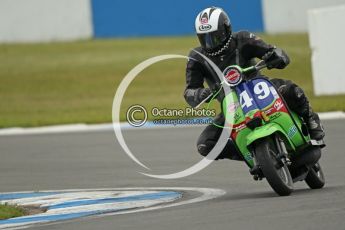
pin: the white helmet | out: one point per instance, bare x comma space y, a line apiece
213, 28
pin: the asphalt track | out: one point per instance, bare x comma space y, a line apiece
95, 160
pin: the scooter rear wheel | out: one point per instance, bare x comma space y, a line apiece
315, 178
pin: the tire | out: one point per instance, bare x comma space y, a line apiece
315, 178
278, 177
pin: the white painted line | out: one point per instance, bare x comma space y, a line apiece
124, 125
55, 129
207, 194
332, 115
74, 128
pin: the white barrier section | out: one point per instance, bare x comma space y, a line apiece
44, 20
291, 15
326, 36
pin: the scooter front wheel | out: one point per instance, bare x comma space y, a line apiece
277, 175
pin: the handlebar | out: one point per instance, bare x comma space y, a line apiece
259, 66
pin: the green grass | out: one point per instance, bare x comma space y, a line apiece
9, 211
72, 82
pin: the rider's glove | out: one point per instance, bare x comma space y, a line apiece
203, 93
276, 58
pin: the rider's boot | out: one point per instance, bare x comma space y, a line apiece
314, 125
311, 118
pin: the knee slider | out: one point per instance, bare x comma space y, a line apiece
297, 94
205, 148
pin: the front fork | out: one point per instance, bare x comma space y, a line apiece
282, 156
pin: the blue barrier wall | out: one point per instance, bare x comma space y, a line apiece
119, 18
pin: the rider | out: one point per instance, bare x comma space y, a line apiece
225, 48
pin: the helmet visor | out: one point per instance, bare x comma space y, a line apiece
213, 40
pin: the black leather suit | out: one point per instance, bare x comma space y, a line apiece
243, 49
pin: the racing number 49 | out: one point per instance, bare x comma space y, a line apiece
262, 91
